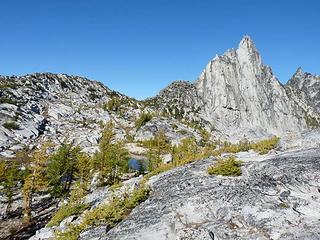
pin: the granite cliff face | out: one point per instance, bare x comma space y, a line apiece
243, 96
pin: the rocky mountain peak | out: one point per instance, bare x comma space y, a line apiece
299, 72
247, 43
306, 86
248, 55
241, 94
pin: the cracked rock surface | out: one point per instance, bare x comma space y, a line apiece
277, 197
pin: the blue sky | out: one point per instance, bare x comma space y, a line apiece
137, 47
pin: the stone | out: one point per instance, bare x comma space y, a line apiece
187, 203
235, 97
166, 158
43, 234
300, 140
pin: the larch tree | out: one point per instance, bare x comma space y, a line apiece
61, 168
157, 146
84, 167
9, 177
35, 181
112, 158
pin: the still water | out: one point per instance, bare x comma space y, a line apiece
136, 164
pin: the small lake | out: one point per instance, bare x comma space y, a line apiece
136, 164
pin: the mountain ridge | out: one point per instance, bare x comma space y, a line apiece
236, 96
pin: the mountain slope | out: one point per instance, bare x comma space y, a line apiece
50, 107
54, 107
309, 85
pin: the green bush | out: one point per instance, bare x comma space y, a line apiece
75, 206
137, 196
8, 86
109, 214
11, 125
7, 100
261, 147
226, 167
114, 104
312, 122
93, 96
187, 151
66, 211
143, 119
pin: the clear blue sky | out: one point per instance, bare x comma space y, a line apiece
139, 46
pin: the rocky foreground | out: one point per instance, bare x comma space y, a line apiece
277, 197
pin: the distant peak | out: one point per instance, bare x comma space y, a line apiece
246, 42
246, 37
298, 73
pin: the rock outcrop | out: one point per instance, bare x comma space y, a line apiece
237, 96
180, 99
50, 107
304, 89
277, 197
308, 85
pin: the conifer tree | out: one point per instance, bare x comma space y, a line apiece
36, 180
62, 167
157, 146
186, 151
9, 177
112, 158
84, 167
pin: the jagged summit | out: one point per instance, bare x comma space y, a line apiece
307, 87
247, 42
299, 72
242, 94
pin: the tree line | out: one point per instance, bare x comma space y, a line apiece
56, 173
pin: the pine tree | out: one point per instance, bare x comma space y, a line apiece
141, 166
